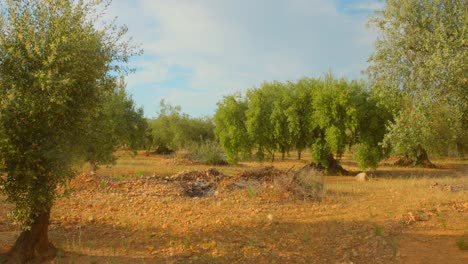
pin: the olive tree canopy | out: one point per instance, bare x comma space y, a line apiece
56, 67
419, 69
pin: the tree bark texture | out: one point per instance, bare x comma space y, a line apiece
33, 245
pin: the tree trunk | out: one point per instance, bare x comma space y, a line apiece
282, 155
94, 167
334, 166
423, 159
33, 244
299, 154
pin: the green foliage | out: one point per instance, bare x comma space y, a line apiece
328, 115
367, 156
118, 124
208, 152
337, 113
298, 113
130, 124
56, 69
260, 127
419, 72
372, 118
421, 128
321, 152
148, 139
230, 129
174, 130
282, 135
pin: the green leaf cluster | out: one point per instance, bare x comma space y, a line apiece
419, 71
117, 125
174, 130
326, 115
230, 129
56, 70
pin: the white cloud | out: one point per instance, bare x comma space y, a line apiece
234, 45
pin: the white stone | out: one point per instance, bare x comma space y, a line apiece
362, 177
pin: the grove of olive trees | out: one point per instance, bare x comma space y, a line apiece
413, 105
327, 115
62, 104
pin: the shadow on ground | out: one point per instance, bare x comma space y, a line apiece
272, 242
269, 241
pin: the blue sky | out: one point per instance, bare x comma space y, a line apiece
196, 51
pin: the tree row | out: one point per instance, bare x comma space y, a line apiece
327, 115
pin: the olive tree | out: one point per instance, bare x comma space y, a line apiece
230, 127
280, 120
371, 118
56, 67
259, 126
164, 127
174, 130
298, 113
419, 69
117, 124
332, 120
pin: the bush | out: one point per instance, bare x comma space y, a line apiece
208, 152
367, 156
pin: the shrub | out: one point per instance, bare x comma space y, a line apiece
367, 156
208, 152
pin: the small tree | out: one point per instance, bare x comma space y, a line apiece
163, 127
118, 124
230, 127
298, 113
174, 130
332, 120
279, 119
55, 70
259, 126
371, 119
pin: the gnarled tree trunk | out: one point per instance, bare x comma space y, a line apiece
33, 244
334, 166
422, 159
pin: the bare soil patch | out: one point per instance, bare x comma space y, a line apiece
144, 215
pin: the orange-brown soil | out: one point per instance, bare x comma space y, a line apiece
131, 214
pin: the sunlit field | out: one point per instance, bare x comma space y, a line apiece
118, 215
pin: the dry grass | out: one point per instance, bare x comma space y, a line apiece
394, 217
